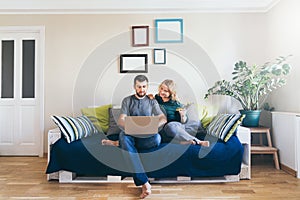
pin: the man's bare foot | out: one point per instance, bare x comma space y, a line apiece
146, 190
110, 142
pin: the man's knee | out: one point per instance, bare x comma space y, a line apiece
125, 141
157, 139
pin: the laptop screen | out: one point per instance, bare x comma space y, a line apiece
141, 125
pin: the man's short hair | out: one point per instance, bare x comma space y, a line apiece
140, 78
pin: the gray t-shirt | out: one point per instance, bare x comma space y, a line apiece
132, 106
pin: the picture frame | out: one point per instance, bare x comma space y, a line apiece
159, 56
133, 63
169, 30
140, 36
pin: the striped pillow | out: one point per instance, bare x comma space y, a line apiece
74, 128
224, 125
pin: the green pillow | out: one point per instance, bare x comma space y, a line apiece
204, 117
224, 125
99, 116
205, 121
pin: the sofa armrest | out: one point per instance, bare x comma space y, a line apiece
244, 136
53, 136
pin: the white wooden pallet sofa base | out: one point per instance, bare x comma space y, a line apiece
70, 177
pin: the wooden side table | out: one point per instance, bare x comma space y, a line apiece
264, 149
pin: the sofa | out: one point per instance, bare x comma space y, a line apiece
84, 159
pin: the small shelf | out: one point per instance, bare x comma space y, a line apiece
260, 149
263, 150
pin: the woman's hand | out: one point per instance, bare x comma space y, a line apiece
183, 116
151, 96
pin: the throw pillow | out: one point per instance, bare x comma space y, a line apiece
99, 116
206, 115
206, 121
191, 112
224, 125
113, 127
193, 123
74, 128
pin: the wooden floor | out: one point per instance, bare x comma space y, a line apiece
24, 178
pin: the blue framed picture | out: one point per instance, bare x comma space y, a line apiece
169, 30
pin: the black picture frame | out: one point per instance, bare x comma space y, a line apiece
134, 63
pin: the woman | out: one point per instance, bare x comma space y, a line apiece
178, 126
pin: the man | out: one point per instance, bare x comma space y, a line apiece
139, 104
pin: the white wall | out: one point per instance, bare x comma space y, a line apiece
283, 39
71, 40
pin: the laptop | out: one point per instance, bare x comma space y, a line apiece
141, 125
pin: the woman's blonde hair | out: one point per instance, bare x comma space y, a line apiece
172, 88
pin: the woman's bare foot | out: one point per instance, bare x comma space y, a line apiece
146, 190
188, 142
204, 143
110, 142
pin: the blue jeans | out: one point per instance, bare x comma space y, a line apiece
131, 145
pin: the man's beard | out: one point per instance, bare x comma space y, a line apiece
141, 95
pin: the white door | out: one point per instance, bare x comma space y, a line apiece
21, 90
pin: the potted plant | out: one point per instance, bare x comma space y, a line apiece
251, 85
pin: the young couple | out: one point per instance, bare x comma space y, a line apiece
177, 126
174, 122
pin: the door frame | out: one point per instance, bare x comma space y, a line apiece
40, 30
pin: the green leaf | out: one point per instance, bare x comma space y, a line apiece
276, 72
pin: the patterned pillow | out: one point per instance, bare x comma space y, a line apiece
224, 125
74, 128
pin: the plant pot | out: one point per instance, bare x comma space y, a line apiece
251, 118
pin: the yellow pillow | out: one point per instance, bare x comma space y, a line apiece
99, 116
206, 121
204, 116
